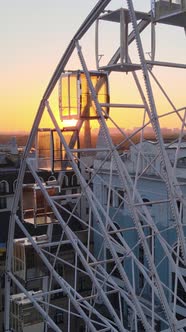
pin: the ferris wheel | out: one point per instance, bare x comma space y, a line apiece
103, 219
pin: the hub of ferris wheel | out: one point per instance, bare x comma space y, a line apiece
103, 210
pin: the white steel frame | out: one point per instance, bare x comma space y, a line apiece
133, 312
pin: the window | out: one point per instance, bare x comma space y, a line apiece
82, 329
120, 198
74, 191
146, 200
66, 181
31, 259
3, 203
181, 163
181, 294
14, 185
60, 269
141, 254
52, 178
179, 317
84, 284
75, 99
4, 187
181, 211
111, 266
108, 192
74, 180
181, 263
59, 317
141, 259
147, 204
63, 192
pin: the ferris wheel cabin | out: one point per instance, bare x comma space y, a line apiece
75, 100
24, 317
171, 12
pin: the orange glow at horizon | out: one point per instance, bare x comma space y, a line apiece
19, 111
32, 46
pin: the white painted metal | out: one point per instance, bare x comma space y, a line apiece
118, 263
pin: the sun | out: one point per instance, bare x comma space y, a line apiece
69, 122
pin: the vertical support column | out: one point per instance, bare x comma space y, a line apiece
153, 297
183, 4
153, 7
97, 43
123, 36
45, 289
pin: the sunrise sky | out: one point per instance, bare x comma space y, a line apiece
34, 35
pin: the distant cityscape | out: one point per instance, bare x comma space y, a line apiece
168, 133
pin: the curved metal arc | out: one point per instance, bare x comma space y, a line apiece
100, 6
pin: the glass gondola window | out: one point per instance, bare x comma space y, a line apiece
75, 100
56, 152
68, 96
100, 84
43, 152
51, 152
